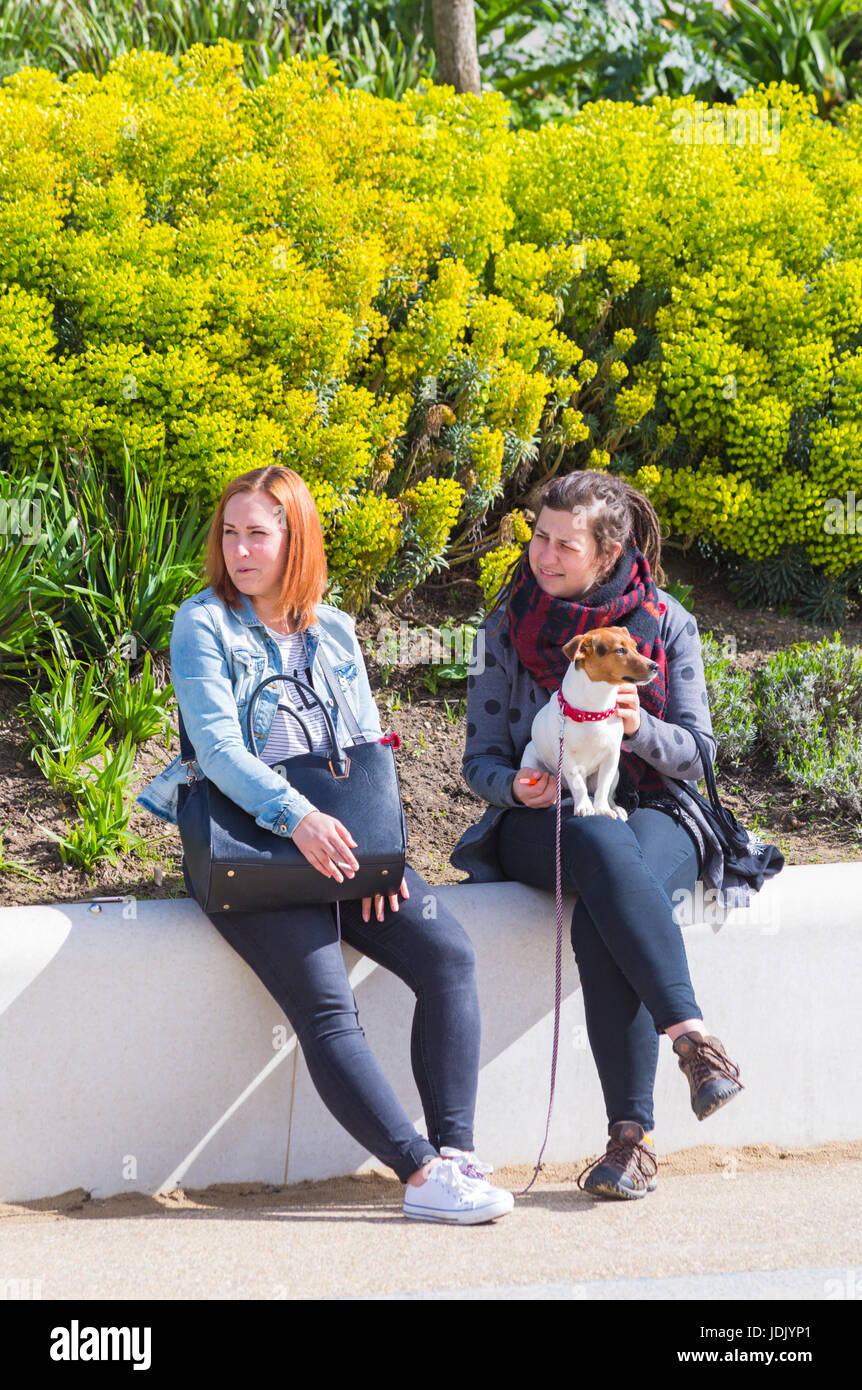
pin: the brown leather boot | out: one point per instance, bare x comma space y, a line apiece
712, 1077
626, 1169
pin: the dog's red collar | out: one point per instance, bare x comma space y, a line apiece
581, 716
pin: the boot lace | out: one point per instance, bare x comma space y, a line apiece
708, 1060
619, 1154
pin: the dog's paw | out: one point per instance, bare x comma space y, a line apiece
587, 809
621, 814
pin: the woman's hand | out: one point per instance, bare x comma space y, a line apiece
629, 708
326, 843
534, 788
378, 902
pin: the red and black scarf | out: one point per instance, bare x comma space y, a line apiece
540, 625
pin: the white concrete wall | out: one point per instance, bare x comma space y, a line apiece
138, 1054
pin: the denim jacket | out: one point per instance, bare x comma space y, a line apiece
218, 657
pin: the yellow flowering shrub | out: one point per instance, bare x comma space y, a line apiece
310, 275
434, 505
486, 447
433, 327
493, 568
574, 427
363, 541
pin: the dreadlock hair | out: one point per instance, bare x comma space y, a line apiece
613, 510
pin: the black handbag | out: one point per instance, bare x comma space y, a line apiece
234, 865
747, 859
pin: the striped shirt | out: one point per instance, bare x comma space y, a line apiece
286, 738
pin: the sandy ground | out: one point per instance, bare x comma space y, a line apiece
380, 1189
746, 1218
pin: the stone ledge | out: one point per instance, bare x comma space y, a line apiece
142, 1054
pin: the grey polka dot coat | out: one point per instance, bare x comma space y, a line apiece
503, 699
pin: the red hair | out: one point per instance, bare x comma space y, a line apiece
305, 575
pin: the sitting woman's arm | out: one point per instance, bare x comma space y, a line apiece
489, 763
204, 692
666, 744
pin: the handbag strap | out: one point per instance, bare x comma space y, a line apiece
187, 752
289, 709
338, 759
739, 840
728, 820
334, 684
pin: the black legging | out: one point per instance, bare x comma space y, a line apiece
629, 950
296, 955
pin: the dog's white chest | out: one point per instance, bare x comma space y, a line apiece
588, 745
588, 739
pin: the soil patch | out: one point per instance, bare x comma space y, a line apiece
432, 727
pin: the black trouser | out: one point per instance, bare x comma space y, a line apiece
628, 947
296, 954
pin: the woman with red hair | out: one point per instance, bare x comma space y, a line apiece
263, 615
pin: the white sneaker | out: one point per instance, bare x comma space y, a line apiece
447, 1195
470, 1165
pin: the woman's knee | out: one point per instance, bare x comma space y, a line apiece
327, 1016
595, 843
667, 848
461, 953
446, 951
435, 930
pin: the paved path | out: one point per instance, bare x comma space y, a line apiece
798, 1231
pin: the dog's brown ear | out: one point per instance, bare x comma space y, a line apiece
574, 648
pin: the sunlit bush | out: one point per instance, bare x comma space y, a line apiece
426, 313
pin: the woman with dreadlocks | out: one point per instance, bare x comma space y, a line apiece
595, 549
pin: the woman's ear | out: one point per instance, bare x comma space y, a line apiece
608, 569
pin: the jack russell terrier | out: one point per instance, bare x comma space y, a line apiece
593, 732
